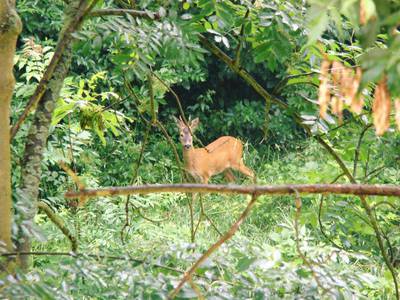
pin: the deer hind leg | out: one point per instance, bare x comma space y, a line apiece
243, 169
229, 176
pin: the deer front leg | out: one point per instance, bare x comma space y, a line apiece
229, 176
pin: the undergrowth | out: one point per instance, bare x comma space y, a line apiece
261, 261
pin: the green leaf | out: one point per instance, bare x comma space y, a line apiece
317, 22
244, 263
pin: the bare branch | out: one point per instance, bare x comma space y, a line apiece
178, 101
358, 148
250, 80
152, 104
72, 174
240, 39
344, 189
60, 224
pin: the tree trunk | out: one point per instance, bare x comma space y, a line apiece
36, 144
33, 154
10, 28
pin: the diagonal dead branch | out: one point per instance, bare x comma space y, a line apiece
214, 247
60, 224
72, 174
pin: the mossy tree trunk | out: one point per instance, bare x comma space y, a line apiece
33, 154
36, 142
10, 28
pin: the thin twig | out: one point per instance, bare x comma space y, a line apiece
140, 214
196, 289
358, 148
281, 84
213, 224
190, 201
123, 12
308, 263
72, 174
240, 39
202, 213
151, 95
374, 172
321, 227
384, 203
135, 173
178, 101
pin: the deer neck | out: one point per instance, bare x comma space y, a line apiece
189, 159
188, 155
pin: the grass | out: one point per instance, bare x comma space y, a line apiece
268, 231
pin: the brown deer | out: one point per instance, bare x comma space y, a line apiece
223, 154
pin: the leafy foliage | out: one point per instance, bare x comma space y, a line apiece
124, 71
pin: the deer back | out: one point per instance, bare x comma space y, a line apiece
216, 157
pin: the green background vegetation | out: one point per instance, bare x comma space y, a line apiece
98, 129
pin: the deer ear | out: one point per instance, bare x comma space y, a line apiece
178, 122
194, 123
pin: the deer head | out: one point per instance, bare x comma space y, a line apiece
185, 132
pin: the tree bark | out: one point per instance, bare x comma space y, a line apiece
33, 154
282, 189
36, 143
10, 28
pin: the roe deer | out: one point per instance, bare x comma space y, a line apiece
223, 154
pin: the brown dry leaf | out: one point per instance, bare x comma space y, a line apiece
336, 72
381, 108
357, 104
363, 13
337, 107
346, 85
324, 94
357, 101
397, 109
